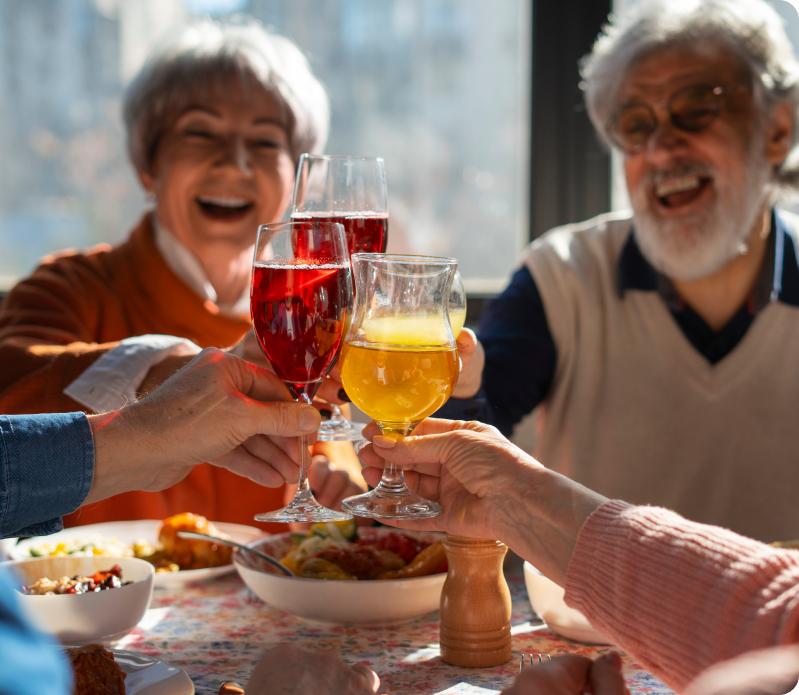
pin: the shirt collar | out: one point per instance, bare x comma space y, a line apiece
779, 277
188, 268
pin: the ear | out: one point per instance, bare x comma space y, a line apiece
147, 181
779, 132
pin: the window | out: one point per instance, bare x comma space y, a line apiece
439, 88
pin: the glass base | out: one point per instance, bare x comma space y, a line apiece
340, 431
303, 507
385, 503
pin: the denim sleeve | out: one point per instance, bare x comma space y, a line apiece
520, 358
31, 662
46, 471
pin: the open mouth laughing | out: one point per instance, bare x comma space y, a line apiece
224, 207
679, 191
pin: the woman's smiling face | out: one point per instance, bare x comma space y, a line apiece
221, 168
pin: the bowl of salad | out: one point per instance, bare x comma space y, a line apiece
343, 574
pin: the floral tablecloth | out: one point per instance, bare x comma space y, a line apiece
217, 630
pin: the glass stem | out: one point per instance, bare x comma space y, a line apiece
303, 488
393, 479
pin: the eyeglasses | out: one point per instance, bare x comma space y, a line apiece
691, 109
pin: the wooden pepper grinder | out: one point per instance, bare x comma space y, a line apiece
475, 604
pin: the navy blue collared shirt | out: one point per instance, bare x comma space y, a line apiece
520, 352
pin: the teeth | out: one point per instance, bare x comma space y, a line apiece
223, 201
684, 183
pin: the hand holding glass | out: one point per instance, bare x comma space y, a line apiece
300, 297
399, 362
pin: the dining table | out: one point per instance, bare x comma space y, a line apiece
216, 631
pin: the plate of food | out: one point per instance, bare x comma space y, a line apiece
120, 672
177, 561
343, 574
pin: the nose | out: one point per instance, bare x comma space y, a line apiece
235, 154
666, 143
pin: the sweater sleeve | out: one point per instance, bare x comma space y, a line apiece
678, 595
48, 331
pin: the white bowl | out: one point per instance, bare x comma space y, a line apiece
376, 602
546, 597
78, 619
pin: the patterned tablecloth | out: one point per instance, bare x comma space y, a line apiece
217, 630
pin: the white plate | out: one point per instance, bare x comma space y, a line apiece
546, 598
131, 531
150, 676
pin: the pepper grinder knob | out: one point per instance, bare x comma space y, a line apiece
475, 604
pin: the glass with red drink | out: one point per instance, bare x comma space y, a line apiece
300, 299
350, 191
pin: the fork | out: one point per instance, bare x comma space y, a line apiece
533, 657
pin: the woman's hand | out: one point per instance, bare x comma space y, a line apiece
218, 409
572, 675
330, 484
489, 488
289, 670
472, 355
470, 468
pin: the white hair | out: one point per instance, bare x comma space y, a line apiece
208, 54
751, 29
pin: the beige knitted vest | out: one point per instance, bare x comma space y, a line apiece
636, 413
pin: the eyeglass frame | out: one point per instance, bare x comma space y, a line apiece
717, 92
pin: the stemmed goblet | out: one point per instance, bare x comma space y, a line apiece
351, 191
399, 362
300, 297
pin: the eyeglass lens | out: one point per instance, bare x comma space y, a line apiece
691, 109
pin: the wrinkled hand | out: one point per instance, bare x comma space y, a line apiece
572, 675
469, 467
289, 670
489, 488
330, 484
472, 355
218, 409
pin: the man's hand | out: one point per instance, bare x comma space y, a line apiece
572, 675
249, 349
489, 488
218, 409
472, 355
288, 670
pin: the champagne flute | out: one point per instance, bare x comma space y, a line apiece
350, 191
300, 296
399, 362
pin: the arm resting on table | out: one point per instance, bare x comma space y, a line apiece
680, 596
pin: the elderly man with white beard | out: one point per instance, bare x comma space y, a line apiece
661, 347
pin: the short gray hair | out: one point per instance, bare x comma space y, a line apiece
207, 54
751, 29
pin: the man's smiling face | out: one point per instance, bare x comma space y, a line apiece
695, 195
222, 167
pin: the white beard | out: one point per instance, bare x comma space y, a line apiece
695, 247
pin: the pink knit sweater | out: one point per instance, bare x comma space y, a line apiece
680, 596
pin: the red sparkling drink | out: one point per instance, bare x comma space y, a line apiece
298, 314
366, 232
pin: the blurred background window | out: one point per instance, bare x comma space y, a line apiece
439, 88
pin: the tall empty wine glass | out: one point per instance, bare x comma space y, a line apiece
351, 191
399, 362
300, 297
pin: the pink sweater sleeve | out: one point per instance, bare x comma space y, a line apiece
679, 596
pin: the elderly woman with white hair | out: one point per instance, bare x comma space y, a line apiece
216, 121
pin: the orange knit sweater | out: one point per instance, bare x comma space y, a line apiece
77, 306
